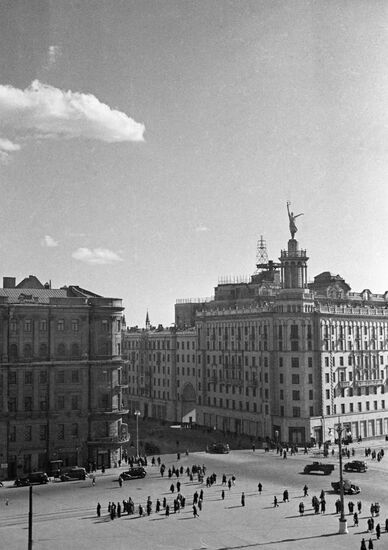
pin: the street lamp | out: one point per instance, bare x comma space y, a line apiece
343, 527
137, 413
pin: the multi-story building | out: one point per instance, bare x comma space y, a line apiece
61, 377
273, 356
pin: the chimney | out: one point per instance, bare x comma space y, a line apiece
9, 282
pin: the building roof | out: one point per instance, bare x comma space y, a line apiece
32, 295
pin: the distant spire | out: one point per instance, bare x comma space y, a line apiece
147, 323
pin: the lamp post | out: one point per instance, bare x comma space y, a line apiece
343, 526
137, 414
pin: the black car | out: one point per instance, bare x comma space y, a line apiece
218, 448
356, 466
38, 478
133, 473
316, 467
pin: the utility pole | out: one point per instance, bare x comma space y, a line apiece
343, 527
30, 520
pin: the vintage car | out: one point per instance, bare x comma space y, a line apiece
349, 487
218, 448
136, 472
356, 466
33, 478
72, 473
316, 467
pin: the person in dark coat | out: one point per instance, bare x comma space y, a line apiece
118, 510
167, 510
259, 488
242, 499
323, 506
355, 519
275, 502
305, 491
363, 545
157, 506
98, 509
195, 513
223, 494
370, 544
301, 508
378, 531
172, 487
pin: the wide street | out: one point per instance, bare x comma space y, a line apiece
64, 514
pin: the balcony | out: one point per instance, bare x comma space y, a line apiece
109, 441
344, 383
110, 412
370, 382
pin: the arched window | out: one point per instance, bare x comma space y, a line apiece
27, 351
61, 350
13, 352
75, 351
43, 350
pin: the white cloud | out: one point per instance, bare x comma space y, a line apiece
43, 111
7, 147
96, 256
49, 242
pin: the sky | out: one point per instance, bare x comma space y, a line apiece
145, 146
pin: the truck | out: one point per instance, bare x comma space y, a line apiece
356, 466
317, 467
349, 487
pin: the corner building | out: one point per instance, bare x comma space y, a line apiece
61, 377
274, 357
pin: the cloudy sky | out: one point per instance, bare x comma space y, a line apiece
146, 145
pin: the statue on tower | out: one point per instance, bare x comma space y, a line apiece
292, 218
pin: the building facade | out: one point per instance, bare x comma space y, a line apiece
273, 356
61, 377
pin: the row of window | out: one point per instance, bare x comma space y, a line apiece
72, 376
27, 351
61, 325
28, 403
30, 433
351, 409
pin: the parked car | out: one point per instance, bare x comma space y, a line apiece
72, 473
219, 448
33, 478
133, 473
356, 466
316, 467
349, 487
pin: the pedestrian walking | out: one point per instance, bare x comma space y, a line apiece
229, 484
157, 509
223, 494
259, 488
200, 505
378, 531
275, 502
167, 510
93, 480
359, 506
323, 506
363, 545
301, 508
195, 513
172, 487
178, 486
355, 519
285, 496
242, 499
305, 491
98, 509
370, 544
351, 507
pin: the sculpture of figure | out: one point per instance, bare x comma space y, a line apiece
292, 218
